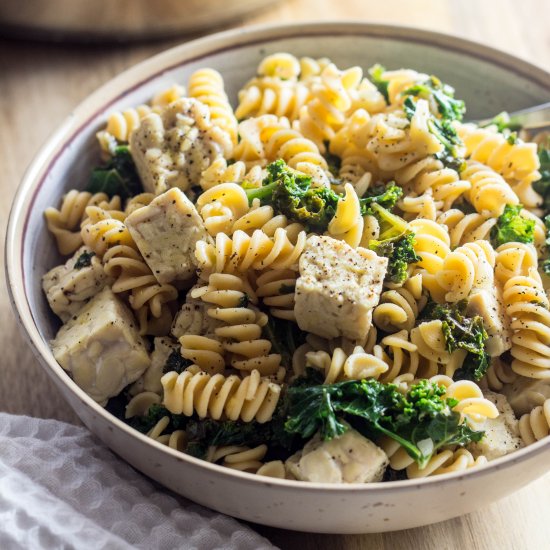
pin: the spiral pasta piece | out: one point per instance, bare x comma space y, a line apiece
237, 457
397, 142
429, 173
422, 206
498, 374
446, 462
347, 223
466, 228
268, 138
102, 231
471, 403
243, 252
64, 224
431, 244
398, 308
220, 206
121, 124
528, 308
330, 100
535, 425
350, 144
196, 392
442, 462
465, 268
397, 351
276, 289
241, 331
205, 351
220, 172
264, 218
246, 459
207, 86
272, 95
358, 365
516, 161
175, 440
489, 192
514, 259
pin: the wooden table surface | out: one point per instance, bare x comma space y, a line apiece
40, 84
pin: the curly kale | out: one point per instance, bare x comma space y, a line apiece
175, 362
442, 94
441, 128
511, 226
376, 73
385, 196
117, 177
147, 422
462, 332
400, 253
422, 421
542, 186
290, 193
285, 337
84, 260
203, 433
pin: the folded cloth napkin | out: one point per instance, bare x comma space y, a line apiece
62, 488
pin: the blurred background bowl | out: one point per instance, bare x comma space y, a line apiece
118, 20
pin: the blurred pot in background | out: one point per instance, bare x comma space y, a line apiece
118, 19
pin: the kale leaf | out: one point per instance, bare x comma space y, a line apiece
117, 177
384, 195
400, 253
285, 337
175, 362
376, 73
290, 193
511, 226
448, 107
422, 421
84, 260
462, 332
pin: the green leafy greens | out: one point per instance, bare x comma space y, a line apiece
84, 260
290, 193
442, 94
422, 421
462, 332
376, 73
175, 362
400, 253
117, 177
285, 336
511, 226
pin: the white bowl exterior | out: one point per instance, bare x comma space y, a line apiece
489, 81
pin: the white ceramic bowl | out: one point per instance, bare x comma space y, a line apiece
488, 80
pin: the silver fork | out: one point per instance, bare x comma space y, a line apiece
534, 119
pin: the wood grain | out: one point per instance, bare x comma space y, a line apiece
40, 84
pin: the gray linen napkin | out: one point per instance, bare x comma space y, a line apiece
62, 488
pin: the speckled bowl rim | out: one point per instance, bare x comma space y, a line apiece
143, 72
